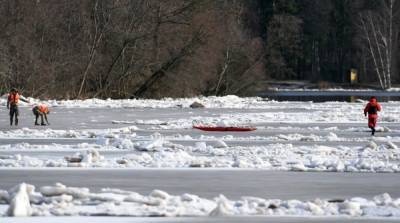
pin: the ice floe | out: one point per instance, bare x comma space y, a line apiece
373, 156
61, 200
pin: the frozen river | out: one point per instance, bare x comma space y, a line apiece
211, 183
333, 136
196, 220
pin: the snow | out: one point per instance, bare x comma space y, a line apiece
230, 101
47, 133
153, 145
373, 156
290, 136
252, 111
61, 200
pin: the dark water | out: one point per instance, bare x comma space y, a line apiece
329, 98
322, 96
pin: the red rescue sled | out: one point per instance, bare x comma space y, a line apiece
224, 129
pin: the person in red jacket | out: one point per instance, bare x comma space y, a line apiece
372, 109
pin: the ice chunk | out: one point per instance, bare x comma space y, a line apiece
309, 138
124, 144
363, 202
150, 145
20, 205
372, 145
382, 129
71, 134
199, 163
332, 137
389, 118
299, 167
350, 208
220, 144
103, 141
4, 197
223, 208
56, 190
59, 189
60, 199
383, 199
381, 212
283, 137
147, 200
240, 163
391, 145
202, 146
337, 166
92, 156
315, 209
189, 197
160, 194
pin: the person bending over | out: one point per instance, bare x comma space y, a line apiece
41, 110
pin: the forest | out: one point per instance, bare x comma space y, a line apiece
179, 48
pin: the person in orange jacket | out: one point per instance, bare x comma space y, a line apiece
372, 109
12, 105
41, 110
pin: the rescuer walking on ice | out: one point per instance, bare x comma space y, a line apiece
12, 105
372, 109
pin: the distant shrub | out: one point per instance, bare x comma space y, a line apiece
324, 85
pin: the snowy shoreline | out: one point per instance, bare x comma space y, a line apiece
229, 101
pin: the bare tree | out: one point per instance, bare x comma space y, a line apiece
380, 32
101, 19
239, 54
166, 66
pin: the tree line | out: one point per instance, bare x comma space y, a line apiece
179, 48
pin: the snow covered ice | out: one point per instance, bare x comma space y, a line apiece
161, 153
137, 134
291, 136
61, 200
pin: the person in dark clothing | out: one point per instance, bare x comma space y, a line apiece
41, 110
372, 109
12, 104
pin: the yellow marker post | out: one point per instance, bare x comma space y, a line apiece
353, 76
